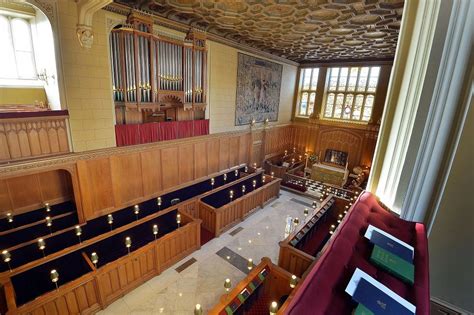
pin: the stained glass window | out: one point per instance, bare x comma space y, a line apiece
350, 93
307, 93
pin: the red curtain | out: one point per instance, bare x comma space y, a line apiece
201, 127
153, 132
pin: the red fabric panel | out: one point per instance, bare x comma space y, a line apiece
127, 135
185, 128
201, 127
168, 130
149, 132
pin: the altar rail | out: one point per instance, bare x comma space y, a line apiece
25, 135
265, 283
102, 286
295, 260
220, 219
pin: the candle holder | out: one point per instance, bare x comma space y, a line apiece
136, 211
246, 169
286, 152
49, 223
231, 195
273, 308
7, 257
255, 166
293, 281
47, 207
250, 264
294, 149
227, 285
272, 175
155, 230
10, 217
178, 219
300, 157
198, 309
78, 231
95, 259
54, 275
332, 229
128, 244
243, 189
254, 184
110, 221
158, 202
296, 221
213, 181
41, 245
305, 212
293, 161
314, 205
224, 177
236, 173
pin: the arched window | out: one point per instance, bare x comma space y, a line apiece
307, 91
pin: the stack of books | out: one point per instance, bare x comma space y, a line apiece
393, 256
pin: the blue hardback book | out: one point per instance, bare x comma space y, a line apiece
390, 245
377, 301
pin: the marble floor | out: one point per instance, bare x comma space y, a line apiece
202, 282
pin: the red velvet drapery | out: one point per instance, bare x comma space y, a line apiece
153, 132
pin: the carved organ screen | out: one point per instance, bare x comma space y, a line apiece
152, 72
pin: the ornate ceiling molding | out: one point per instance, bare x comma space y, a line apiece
297, 30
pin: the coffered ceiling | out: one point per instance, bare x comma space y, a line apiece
299, 30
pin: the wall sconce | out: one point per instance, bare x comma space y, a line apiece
254, 184
47, 207
155, 230
94, 258
213, 181
78, 231
225, 177
54, 275
243, 189
136, 210
110, 221
198, 309
236, 173
128, 243
293, 281
250, 264
227, 285
273, 308
10, 217
6, 256
178, 219
231, 195
306, 212
158, 202
41, 245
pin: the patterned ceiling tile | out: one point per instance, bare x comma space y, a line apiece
300, 30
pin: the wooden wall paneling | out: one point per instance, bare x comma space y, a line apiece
24, 192
126, 171
342, 140
56, 186
200, 159
5, 201
96, 185
224, 153
4, 147
151, 172
244, 148
186, 163
213, 156
234, 151
170, 171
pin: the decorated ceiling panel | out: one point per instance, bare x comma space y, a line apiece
299, 30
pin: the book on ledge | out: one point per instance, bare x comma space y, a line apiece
375, 297
390, 243
393, 264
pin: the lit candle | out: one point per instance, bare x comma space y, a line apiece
263, 178
136, 209
250, 264
254, 183
49, 221
306, 212
296, 221
292, 161
95, 258
155, 230
236, 173
178, 219
158, 201
41, 244
212, 182
227, 284
225, 177
78, 231
128, 243
293, 281
273, 308
10, 217
294, 149
47, 207
243, 189
246, 169
6, 256
286, 152
272, 174
231, 194
54, 275
198, 309
254, 165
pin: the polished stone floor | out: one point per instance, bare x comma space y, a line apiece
202, 282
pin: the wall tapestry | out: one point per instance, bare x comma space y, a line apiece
258, 90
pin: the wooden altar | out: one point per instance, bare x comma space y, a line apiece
329, 174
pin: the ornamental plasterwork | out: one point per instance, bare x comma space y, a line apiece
299, 30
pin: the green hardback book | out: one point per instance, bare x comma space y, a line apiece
393, 264
362, 310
